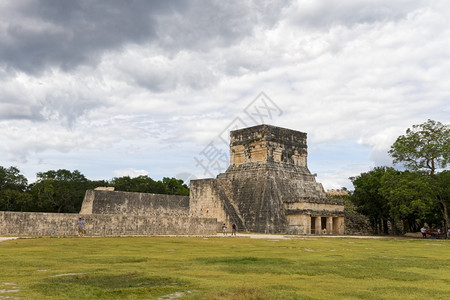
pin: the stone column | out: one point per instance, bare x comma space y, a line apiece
330, 225
318, 225
340, 225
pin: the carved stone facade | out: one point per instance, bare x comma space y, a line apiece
268, 188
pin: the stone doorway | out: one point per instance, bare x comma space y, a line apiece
323, 225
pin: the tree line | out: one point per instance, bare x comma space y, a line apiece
62, 191
397, 201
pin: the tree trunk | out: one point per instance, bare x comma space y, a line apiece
405, 225
385, 226
393, 226
444, 211
374, 225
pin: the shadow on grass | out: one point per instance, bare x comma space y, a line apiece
394, 292
102, 259
247, 264
371, 268
129, 285
239, 293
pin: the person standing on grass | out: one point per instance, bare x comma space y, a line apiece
80, 225
224, 229
423, 230
448, 233
233, 229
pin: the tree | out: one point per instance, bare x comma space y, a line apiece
175, 186
13, 190
411, 198
424, 147
140, 184
13, 200
92, 184
59, 191
11, 179
144, 184
369, 200
442, 190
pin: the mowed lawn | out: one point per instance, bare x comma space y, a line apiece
224, 268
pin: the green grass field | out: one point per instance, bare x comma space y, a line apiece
224, 268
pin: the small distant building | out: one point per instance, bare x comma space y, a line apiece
268, 187
104, 188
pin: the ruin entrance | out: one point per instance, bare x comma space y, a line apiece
323, 223
313, 225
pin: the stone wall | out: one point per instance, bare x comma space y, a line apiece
205, 201
140, 204
53, 224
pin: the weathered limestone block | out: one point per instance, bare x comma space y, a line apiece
205, 201
265, 143
111, 202
298, 224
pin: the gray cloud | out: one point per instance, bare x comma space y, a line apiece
13, 110
58, 97
66, 34
323, 14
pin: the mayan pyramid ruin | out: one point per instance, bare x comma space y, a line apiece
268, 187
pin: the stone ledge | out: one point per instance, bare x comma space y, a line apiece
314, 200
311, 212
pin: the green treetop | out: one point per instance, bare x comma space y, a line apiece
423, 147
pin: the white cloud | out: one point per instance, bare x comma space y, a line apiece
130, 172
339, 178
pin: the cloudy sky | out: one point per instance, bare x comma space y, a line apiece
115, 88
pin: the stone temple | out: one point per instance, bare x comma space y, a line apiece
268, 188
